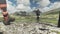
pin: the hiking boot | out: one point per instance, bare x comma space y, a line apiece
8, 21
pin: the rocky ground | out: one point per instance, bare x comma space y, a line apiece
28, 28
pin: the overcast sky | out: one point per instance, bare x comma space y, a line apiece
30, 5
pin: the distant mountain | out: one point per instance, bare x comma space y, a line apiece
55, 11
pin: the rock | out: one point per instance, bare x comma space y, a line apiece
2, 26
28, 28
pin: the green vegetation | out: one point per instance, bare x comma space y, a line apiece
52, 18
58, 32
55, 31
1, 18
47, 17
24, 19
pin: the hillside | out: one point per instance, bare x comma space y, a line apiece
55, 11
50, 16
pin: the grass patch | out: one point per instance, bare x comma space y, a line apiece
49, 18
58, 32
1, 18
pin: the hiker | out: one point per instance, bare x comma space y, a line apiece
3, 7
37, 14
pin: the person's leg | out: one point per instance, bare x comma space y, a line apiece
3, 6
5, 16
37, 18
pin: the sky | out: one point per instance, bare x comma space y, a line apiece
30, 5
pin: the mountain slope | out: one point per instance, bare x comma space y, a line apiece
55, 11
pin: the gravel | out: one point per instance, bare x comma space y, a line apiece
28, 28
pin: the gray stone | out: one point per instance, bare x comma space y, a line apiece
27, 28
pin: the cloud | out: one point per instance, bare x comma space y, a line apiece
42, 3
53, 6
26, 2
10, 7
23, 5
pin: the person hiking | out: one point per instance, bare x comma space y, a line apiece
37, 12
3, 7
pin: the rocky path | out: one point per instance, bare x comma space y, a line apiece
28, 28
